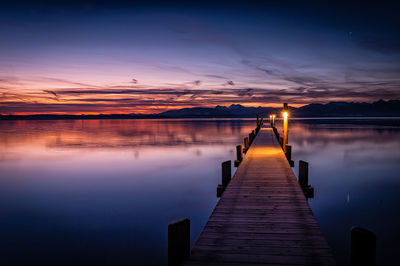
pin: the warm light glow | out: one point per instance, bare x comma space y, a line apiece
285, 115
263, 151
273, 116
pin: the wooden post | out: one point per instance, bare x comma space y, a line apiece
285, 126
303, 174
288, 153
239, 152
226, 177
239, 155
362, 247
178, 241
281, 142
273, 121
246, 143
303, 180
226, 173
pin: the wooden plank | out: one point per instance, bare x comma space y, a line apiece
263, 217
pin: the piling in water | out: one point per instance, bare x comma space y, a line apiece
251, 138
246, 144
303, 174
303, 180
239, 155
226, 177
178, 241
226, 173
362, 247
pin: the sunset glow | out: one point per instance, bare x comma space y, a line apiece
83, 58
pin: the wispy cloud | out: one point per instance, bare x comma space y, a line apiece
51, 92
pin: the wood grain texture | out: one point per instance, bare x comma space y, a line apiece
263, 217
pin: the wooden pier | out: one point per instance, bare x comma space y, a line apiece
263, 216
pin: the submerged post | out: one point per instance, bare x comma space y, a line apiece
178, 241
239, 155
362, 247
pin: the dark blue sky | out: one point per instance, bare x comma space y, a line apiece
120, 56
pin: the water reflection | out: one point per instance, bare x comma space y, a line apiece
354, 169
102, 191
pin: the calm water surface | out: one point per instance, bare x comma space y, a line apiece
103, 191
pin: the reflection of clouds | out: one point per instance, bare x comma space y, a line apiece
125, 134
9, 157
355, 144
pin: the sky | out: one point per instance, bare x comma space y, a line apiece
91, 57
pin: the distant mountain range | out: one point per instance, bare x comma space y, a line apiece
379, 108
333, 109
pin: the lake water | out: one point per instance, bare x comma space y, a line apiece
102, 192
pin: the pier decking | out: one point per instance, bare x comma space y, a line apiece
263, 216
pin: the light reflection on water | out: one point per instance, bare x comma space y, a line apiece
103, 191
354, 169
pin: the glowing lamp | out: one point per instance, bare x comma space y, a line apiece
285, 115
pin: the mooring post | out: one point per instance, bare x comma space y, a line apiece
226, 177
246, 144
303, 174
362, 247
303, 180
239, 155
288, 153
178, 241
226, 173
